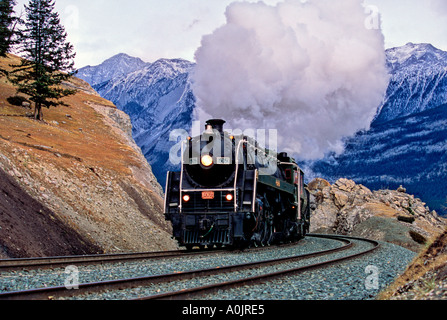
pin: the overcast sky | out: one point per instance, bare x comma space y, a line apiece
153, 29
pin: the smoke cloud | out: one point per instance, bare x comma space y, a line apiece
439, 6
312, 70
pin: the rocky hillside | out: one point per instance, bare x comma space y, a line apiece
425, 278
75, 183
388, 215
157, 96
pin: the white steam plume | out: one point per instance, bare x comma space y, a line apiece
315, 71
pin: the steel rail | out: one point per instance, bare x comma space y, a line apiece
200, 291
52, 262
89, 288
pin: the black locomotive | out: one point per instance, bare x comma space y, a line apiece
232, 192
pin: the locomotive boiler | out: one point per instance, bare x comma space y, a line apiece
232, 192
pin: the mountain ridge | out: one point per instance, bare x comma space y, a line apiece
418, 83
116, 66
409, 151
158, 98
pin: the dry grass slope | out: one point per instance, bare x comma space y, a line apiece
82, 164
426, 275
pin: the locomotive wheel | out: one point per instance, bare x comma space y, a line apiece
268, 234
264, 235
255, 241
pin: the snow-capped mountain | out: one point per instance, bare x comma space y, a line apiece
406, 144
115, 67
157, 97
418, 81
409, 151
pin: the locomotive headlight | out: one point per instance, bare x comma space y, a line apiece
229, 197
186, 198
207, 161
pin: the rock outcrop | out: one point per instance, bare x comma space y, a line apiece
348, 208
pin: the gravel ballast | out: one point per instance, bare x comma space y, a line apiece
359, 279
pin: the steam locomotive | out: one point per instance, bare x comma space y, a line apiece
232, 192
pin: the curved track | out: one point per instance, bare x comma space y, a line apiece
91, 288
199, 291
52, 262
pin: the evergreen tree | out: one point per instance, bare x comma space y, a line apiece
48, 57
6, 25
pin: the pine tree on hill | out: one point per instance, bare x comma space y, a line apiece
48, 57
6, 25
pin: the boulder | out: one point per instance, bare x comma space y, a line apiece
340, 198
318, 184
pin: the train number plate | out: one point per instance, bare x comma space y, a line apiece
208, 195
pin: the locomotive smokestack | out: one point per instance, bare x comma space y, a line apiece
215, 124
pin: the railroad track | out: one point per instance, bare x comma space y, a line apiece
84, 290
200, 291
56, 262
53, 262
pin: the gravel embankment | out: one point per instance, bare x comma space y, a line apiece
360, 279
23, 280
345, 281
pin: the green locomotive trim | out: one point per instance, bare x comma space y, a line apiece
277, 184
